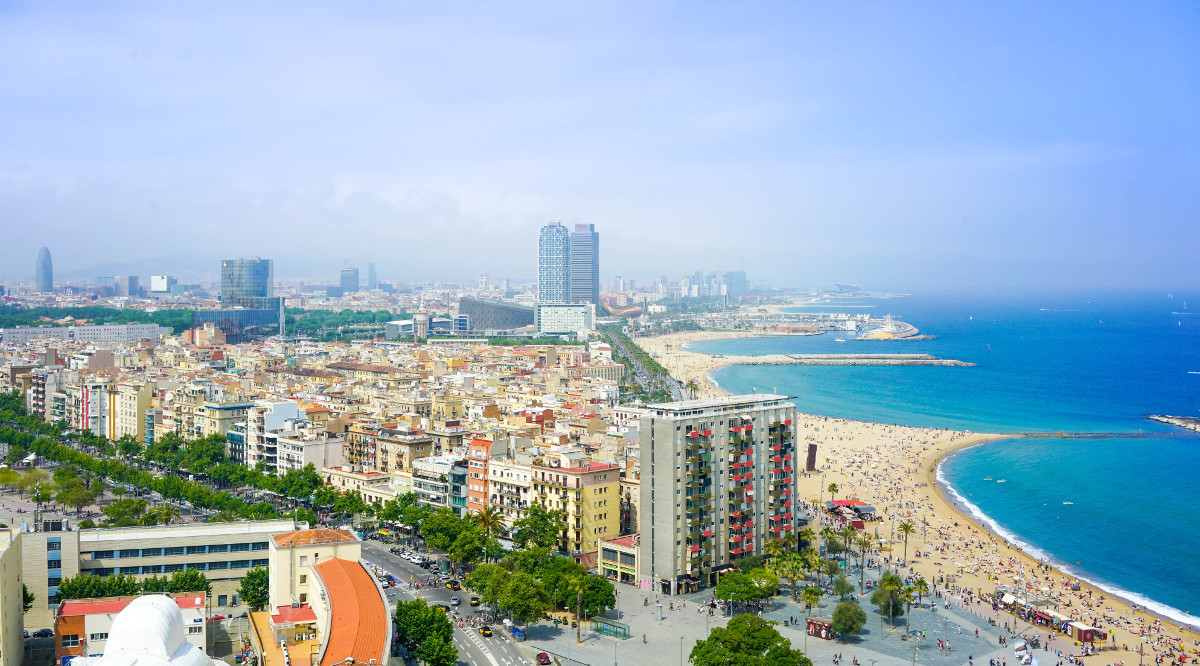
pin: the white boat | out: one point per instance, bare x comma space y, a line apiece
1068, 502
838, 340
1002, 481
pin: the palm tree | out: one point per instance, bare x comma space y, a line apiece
908, 599
165, 513
863, 541
692, 386
811, 596
774, 548
891, 584
921, 587
829, 535
905, 529
833, 490
807, 537
489, 520
848, 533
812, 562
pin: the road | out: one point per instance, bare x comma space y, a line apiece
641, 374
473, 649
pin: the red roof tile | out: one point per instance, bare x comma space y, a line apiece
118, 604
358, 620
321, 535
294, 614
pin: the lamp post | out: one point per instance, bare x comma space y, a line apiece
681, 651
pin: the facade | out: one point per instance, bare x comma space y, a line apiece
248, 283
478, 455
489, 315
11, 615
590, 496
618, 559
348, 280
43, 273
509, 489
293, 556
553, 263
584, 268
223, 551
718, 480
82, 627
133, 399
104, 334
564, 318
440, 481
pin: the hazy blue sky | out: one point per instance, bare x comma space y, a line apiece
890, 144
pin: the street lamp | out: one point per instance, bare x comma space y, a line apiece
681, 651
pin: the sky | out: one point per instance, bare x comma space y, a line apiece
893, 145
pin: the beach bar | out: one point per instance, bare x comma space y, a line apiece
821, 627
1086, 634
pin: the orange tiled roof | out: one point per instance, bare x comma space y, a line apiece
358, 621
315, 536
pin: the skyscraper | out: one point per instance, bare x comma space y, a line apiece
372, 279
584, 265
553, 263
248, 283
349, 280
43, 277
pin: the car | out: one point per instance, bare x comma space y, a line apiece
442, 607
474, 601
543, 659
453, 585
218, 618
443, 575
454, 601
485, 630
26, 633
43, 633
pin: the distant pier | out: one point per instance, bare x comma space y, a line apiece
845, 359
1186, 422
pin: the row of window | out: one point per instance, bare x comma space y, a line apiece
179, 550
151, 569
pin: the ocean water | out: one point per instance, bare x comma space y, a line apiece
1045, 363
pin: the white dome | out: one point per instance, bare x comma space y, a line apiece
149, 632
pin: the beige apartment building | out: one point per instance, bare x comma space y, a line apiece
589, 494
133, 399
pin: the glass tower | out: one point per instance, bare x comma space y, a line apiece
248, 283
553, 263
43, 277
584, 265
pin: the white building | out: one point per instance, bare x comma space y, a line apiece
564, 318
112, 334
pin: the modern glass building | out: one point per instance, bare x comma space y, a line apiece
553, 262
248, 283
43, 277
584, 265
348, 280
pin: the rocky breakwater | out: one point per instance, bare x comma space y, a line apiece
1188, 422
844, 359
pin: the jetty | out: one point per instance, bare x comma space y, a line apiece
1186, 422
844, 359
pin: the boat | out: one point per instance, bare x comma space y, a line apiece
987, 478
838, 340
1068, 502
1002, 481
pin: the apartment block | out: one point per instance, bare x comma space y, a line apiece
589, 494
718, 480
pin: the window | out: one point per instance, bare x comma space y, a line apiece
212, 566
130, 570
98, 637
176, 550
261, 563
219, 548
303, 597
53, 545
303, 579
260, 545
239, 564
53, 564
196, 629
304, 560
102, 555
197, 550
239, 547
53, 582
152, 552
70, 640
168, 568
131, 552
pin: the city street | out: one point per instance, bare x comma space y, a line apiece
473, 649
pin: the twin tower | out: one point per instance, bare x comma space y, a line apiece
569, 264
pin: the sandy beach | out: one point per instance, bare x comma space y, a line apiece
893, 469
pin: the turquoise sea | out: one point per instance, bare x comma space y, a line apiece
1045, 363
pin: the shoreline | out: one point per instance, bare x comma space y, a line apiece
907, 488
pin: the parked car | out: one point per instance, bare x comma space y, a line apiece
43, 633
543, 659
485, 630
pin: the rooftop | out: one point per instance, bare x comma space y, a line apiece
264, 527
723, 402
115, 605
320, 535
358, 625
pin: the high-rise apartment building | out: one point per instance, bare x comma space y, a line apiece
553, 263
43, 277
348, 280
248, 283
718, 481
584, 265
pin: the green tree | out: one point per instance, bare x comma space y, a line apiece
417, 622
842, 587
886, 599
488, 581
921, 587
848, 618
748, 640
525, 598
833, 491
490, 521
863, 541
27, 598
789, 567
540, 527
254, 588
744, 588
188, 580
811, 596
467, 546
905, 529
437, 651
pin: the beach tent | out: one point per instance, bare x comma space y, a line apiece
1085, 634
1007, 599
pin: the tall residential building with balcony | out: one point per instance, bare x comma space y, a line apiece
590, 497
478, 456
509, 488
133, 399
718, 480
440, 481
584, 268
553, 263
